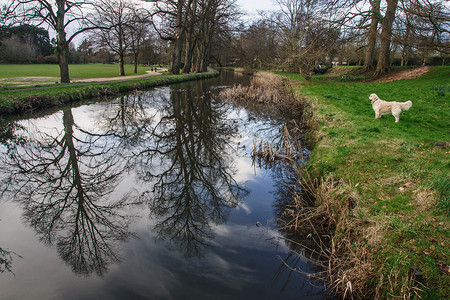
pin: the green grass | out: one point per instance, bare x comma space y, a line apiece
400, 174
23, 100
75, 71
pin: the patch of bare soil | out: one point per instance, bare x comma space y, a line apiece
149, 73
404, 74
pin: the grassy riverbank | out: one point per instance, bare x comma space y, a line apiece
384, 188
14, 101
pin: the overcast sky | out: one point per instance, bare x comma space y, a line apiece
251, 7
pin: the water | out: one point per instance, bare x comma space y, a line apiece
152, 195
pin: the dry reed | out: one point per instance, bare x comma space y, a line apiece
265, 88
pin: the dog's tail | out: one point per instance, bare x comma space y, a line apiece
406, 105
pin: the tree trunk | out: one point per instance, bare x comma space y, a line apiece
191, 43
386, 35
136, 54
191, 37
188, 55
176, 57
61, 44
178, 42
373, 32
121, 65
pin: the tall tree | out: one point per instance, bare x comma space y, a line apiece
116, 18
424, 25
385, 37
191, 25
139, 32
373, 34
60, 15
173, 15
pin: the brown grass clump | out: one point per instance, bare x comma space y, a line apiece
338, 242
265, 88
288, 150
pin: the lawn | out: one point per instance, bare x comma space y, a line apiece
76, 70
398, 173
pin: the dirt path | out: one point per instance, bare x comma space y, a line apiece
119, 78
405, 74
33, 80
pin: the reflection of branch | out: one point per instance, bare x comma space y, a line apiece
6, 260
61, 182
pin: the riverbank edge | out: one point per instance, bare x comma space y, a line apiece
19, 101
345, 268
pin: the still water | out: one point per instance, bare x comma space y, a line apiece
152, 195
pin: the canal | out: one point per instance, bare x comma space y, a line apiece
151, 195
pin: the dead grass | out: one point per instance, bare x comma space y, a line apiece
425, 198
265, 88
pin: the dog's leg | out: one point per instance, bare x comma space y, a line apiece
396, 114
397, 117
377, 115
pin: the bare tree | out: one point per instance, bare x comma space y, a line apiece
216, 16
305, 36
60, 15
191, 25
139, 32
423, 25
116, 18
258, 44
172, 26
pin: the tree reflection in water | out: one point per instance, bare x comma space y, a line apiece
186, 159
6, 258
127, 119
182, 152
62, 182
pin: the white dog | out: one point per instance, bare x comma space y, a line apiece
382, 107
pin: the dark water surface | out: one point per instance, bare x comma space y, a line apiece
148, 196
